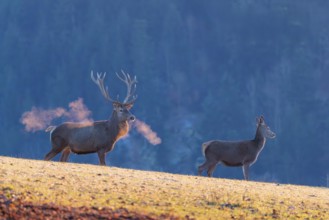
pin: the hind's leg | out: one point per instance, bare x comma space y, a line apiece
65, 154
204, 166
211, 169
245, 169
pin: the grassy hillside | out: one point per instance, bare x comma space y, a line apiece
152, 194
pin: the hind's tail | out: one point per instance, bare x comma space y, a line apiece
50, 128
204, 147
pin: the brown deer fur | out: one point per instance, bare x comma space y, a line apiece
235, 153
94, 137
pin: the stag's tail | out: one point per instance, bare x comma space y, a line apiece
50, 129
204, 147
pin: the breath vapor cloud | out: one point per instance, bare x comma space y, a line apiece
147, 132
38, 119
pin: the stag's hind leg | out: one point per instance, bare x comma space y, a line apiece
57, 146
65, 154
52, 154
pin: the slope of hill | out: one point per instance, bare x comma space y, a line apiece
69, 190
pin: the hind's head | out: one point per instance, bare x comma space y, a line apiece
264, 130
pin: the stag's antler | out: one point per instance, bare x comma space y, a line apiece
131, 87
100, 83
130, 83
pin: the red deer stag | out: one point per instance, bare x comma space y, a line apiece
235, 153
99, 136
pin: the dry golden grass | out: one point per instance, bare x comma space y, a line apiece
78, 185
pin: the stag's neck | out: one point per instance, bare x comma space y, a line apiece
117, 127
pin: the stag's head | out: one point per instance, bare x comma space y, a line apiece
121, 109
263, 128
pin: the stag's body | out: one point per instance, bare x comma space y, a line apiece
235, 153
81, 138
93, 137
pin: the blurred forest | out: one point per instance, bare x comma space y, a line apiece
205, 69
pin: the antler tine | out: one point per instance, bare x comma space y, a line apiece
131, 86
100, 83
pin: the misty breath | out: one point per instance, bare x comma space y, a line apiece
39, 119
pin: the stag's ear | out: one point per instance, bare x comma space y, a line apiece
116, 105
129, 106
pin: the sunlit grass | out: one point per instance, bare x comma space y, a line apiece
153, 192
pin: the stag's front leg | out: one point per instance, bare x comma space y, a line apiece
101, 156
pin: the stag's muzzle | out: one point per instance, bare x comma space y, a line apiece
132, 118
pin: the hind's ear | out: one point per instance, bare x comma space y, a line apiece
260, 120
